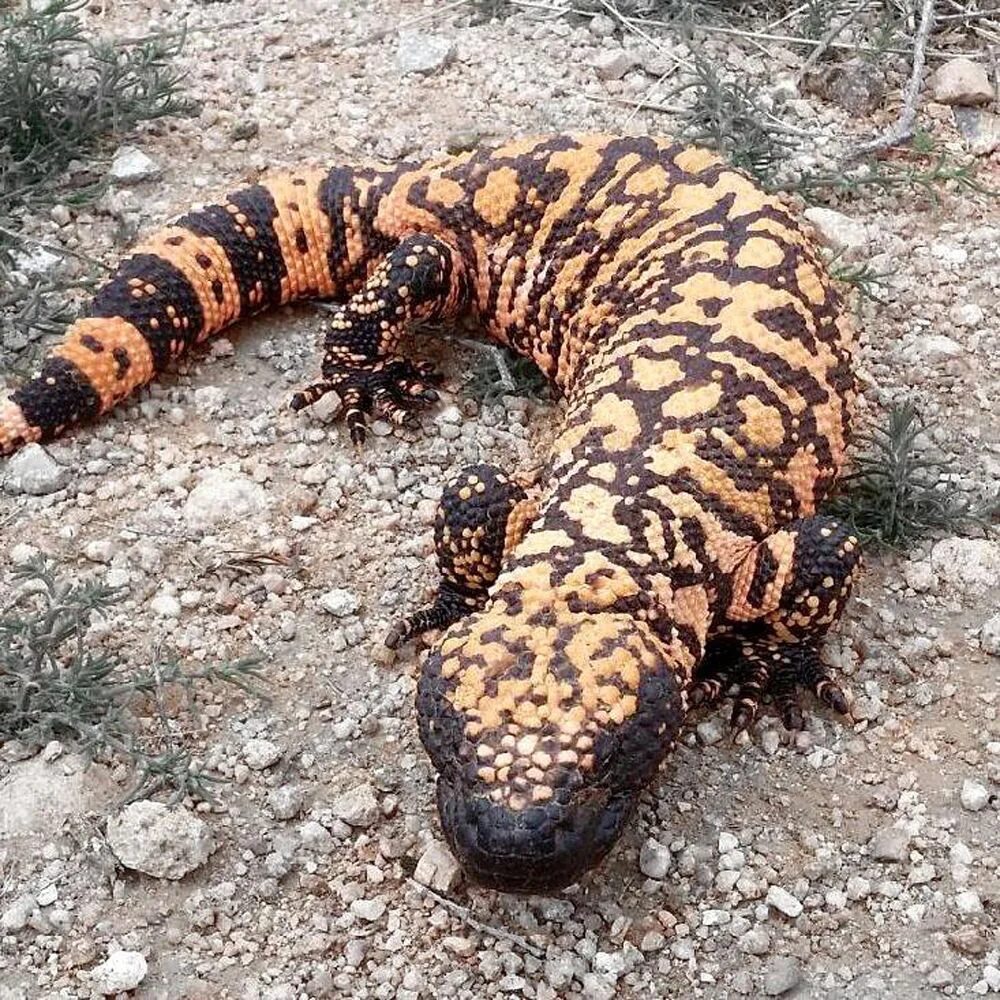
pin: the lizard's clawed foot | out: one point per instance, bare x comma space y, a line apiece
762, 668
391, 387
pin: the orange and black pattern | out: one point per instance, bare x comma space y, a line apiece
671, 549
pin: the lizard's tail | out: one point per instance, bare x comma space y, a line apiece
291, 237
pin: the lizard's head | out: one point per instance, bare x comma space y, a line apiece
544, 725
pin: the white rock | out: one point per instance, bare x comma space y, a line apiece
101, 550
209, 400
437, 868
992, 976
131, 166
601, 26
968, 902
613, 64
989, 636
368, 909
835, 899
755, 941
937, 347
967, 314
165, 605
260, 754
920, 576
339, 602
655, 859
22, 553
891, 843
974, 796
35, 261
962, 81
727, 842
970, 563
960, 854
316, 837
16, 916
223, 495
166, 843
709, 732
33, 470
48, 895
858, 888
836, 230
357, 807
784, 901
286, 801
782, 976
120, 972
939, 977
419, 52
37, 797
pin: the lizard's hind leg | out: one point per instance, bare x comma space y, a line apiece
421, 279
788, 592
482, 515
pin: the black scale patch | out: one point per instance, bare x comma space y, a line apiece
252, 260
153, 314
60, 395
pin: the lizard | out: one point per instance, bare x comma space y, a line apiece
671, 551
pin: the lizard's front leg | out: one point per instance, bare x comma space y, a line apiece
786, 594
421, 279
482, 515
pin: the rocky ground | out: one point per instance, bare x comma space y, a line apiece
845, 862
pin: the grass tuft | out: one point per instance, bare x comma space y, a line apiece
865, 279
55, 684
920, 169
63, 95
899, 493
501, 372
729, 117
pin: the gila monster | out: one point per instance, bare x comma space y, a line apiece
671, 549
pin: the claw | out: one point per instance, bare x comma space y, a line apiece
397, 634
309, 395
831, 694
744, 713
792, 718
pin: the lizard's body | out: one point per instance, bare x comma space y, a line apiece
706, 363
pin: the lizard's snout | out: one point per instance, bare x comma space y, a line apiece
537, 849
543, 738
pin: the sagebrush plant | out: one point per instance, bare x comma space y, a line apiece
863, 277
727, 115
498, 372
899, 492
56, 683
64, 94
911, 172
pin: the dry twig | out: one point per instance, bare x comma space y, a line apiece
903, 130
830, 37
465, 915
